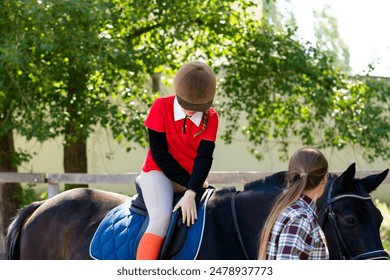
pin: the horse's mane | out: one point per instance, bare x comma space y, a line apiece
268, 183
276, 180
272, 182
229, 189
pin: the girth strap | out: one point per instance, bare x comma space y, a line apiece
235, 222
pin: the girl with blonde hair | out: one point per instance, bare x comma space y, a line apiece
291, 230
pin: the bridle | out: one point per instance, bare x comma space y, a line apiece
342, 249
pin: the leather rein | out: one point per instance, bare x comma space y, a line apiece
236, 226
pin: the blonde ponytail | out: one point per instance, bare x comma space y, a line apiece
283, 201
307, 168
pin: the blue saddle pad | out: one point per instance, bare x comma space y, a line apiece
115, 237
118, 234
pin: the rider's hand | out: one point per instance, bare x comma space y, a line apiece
188, 207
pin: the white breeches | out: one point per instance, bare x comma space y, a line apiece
157, 191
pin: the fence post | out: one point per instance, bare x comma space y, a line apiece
53, 185
53, 189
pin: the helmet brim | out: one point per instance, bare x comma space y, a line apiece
194, 107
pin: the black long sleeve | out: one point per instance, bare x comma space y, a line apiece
202, 165
169, 166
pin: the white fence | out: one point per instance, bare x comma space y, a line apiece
53, 180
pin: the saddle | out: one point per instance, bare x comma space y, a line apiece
120, 231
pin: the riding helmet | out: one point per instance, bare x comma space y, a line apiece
195, 86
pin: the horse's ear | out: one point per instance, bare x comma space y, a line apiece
345, 179
371, 182
349, 174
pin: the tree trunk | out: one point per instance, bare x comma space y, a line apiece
156, 80
10, 193
75, 156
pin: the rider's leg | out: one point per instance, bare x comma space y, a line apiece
158, 196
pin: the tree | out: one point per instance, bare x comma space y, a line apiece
88, 62
329, 39
68, 66
278, 89
12, 98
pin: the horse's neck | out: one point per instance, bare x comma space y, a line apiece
252, 208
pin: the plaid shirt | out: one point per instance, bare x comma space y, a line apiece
296, 234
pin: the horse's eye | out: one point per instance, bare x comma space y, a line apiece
350, 220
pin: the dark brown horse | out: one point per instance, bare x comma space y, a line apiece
62, 227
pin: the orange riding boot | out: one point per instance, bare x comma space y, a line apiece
149, 247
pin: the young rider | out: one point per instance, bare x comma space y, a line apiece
182, 133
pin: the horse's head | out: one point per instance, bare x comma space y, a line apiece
349, 218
